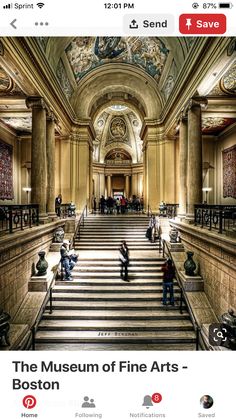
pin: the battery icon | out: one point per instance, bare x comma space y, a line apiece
225, 5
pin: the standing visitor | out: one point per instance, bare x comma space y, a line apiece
102, 203
168, 278
124, 260
58, 202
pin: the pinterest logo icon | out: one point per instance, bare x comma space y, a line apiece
29, 402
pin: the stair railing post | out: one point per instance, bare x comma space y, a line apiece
181, 301
33, 338
50, 301
197, 337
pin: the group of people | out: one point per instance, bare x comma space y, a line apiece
69, 259
119, 205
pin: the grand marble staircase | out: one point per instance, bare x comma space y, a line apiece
98, 311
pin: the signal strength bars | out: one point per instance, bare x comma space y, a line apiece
8, 6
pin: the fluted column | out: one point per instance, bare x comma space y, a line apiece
127, 186
183, 156
194, 173
109, 185
38, 155
50, 149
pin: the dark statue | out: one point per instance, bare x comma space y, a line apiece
42, 264
228, 321
58, 236
190, 265
4, 327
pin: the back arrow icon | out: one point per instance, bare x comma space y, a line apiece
13, 23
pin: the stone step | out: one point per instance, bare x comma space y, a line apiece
116, 305
114, 315
133, 262
116, 268
108, 247
58, 346
118, 325
111, 337
108, 281
143, 288
116, 275
91, 296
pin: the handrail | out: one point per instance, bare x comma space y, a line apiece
80, 222
183, 296
48, 297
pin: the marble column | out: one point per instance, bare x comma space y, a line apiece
102, 184
194, 169
109, 185
50, 149
183, 156
127, 186
38, 155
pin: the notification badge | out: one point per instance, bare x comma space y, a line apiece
202, 24
29, 402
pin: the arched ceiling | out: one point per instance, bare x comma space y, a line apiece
76, 60
85, 54
117, 134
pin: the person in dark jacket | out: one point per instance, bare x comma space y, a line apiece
124, 260
168, 277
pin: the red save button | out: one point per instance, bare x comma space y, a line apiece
202, 24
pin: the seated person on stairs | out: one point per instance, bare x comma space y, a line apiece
68, 259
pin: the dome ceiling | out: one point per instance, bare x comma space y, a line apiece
87, 53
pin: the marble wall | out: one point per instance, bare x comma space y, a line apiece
17, 256
217, 260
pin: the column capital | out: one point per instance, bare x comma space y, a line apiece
51, 116
37, 102
196, 102
183, 117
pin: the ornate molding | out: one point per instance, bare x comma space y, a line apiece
1, 49
37, 102
196, 102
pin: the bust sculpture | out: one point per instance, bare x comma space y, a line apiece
173, 235
58, 235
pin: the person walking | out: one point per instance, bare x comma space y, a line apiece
152, 228
124, 259
168, 277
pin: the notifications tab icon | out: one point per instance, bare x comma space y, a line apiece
202, 24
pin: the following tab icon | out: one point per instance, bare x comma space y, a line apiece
202, 24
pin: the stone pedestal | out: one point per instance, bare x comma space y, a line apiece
40, 283
55, 247
191, 283
176, 247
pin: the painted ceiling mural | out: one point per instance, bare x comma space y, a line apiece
19, 124
86, 53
